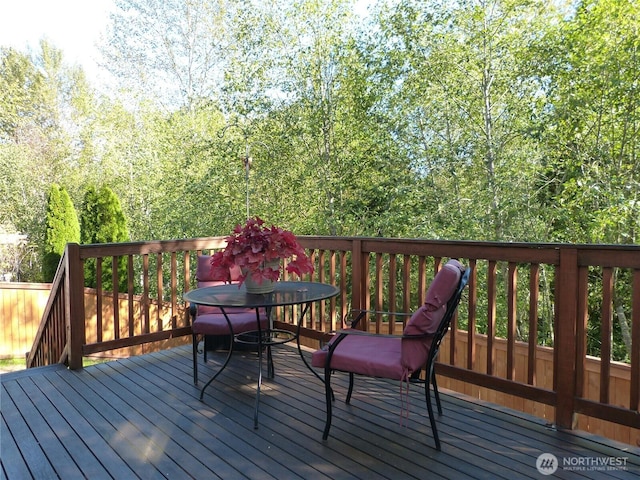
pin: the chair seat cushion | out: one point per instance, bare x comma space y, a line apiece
207, 310
216, 324
370, 355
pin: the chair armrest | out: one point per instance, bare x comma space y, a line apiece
384, 312
362, 313
355, 331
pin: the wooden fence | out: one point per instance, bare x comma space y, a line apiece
620, 375
21, 308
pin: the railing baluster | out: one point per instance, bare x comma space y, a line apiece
159, 286
422, 281
130, 298
491, 316
634, 394
343, 290
322, 277
605, 333
187, 282
379, 294
581, 330
392, 293
332, 302
99, 327
146, 314
174, 290
512, 303
534, 294
115, 297
471, 321
406, 287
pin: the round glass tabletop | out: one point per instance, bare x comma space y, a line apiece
285, 293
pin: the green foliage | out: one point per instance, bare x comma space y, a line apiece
62, 227
39, 140
103, 221
102, 218
591, 181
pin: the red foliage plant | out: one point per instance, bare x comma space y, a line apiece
257, 250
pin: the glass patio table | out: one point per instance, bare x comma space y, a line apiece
284, 294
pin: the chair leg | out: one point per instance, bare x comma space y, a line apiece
195, 359
350, 391
328, 392
432, 419
436, 393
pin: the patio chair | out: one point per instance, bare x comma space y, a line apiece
397, 357
206, 320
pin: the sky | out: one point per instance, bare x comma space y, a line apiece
73, 26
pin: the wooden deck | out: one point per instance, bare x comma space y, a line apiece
141, 418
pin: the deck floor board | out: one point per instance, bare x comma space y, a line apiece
141, 418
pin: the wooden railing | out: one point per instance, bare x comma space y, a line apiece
521, 295
59, 336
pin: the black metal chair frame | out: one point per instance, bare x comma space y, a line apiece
193, 311
430, 377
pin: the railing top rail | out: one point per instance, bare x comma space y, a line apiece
547, 253
149, 247
481, 243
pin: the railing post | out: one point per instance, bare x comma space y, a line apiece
565, 342
357, 276
74, 305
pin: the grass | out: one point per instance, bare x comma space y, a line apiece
14, 364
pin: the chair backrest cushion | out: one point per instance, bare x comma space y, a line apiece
205, 278
204, 274
426, 320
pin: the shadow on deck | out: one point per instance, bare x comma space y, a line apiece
141, 418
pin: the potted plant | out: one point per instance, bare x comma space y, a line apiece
258, 250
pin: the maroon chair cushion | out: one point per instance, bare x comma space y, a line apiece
428, 317
396, 357
205, 278
210, 320
216, 324
371, 355
204, 273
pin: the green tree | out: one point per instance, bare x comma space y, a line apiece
591, 185
320, 143
39, 133
168, 50
464, 105
62, 227
102, 221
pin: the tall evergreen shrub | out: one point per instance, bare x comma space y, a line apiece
62, 227
103, 221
